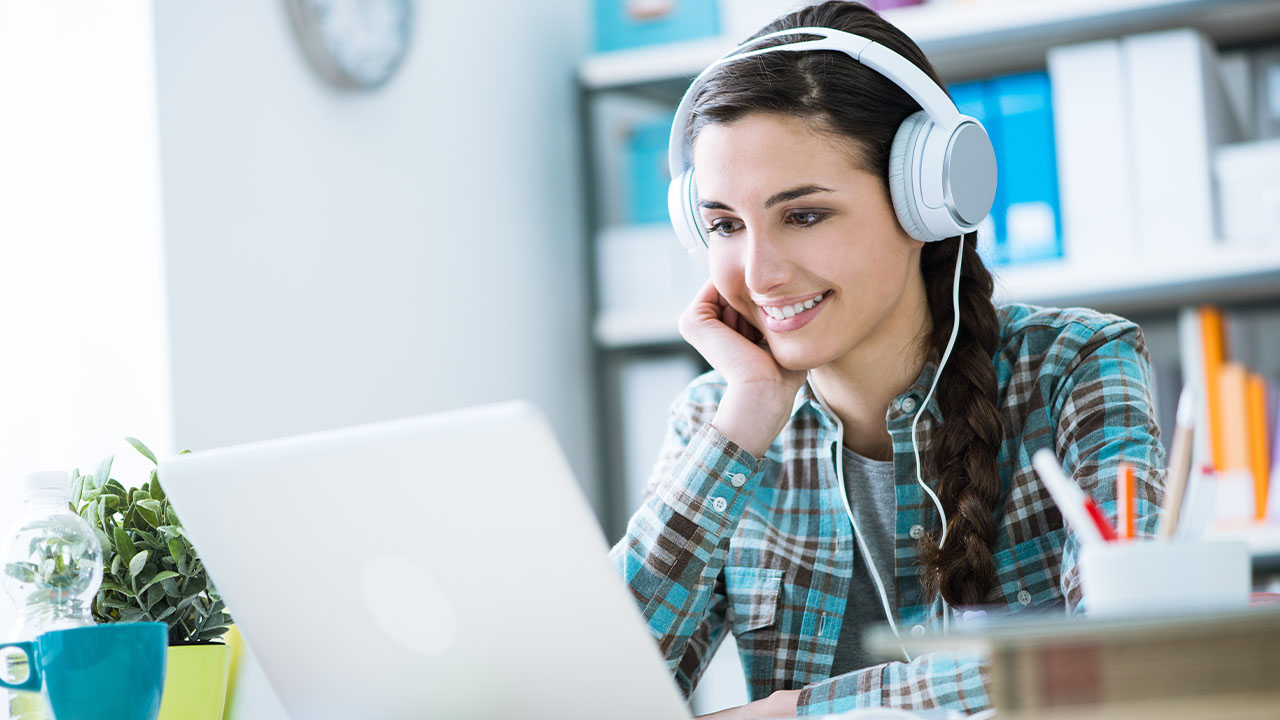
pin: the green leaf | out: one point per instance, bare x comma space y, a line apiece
171, 587
92, 512
138, 562
117, 565
149, 510
104, 471
124, 544
159, 577
178, 550
212, 634
146, 451
114, 487
77, 488
150, 539
157, 492
169, 611
110, 602
131, 614
115, 587
154, 595
107, 547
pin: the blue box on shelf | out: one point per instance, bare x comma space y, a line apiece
1026, 161
623, 24
647, 170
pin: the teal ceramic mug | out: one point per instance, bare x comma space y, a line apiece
99, 672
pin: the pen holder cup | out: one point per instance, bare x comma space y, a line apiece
1142, 577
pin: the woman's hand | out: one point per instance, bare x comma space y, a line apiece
781, 704
760, 392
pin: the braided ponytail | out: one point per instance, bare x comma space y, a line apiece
965, 445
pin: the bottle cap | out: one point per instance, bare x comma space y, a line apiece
47, 480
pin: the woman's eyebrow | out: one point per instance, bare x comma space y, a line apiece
784, 196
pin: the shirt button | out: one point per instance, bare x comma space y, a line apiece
918, 630
917, 532
737, 479
1024, 597
908, 404
719, 504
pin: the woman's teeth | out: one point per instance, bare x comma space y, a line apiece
790, 311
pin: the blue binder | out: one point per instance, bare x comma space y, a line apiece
1030, 220
647, 170
632, 23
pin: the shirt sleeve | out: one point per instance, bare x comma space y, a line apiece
951, 679
673, 553
1105, 417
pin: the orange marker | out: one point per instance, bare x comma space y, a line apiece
1125, 489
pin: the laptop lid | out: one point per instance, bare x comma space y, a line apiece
446, 566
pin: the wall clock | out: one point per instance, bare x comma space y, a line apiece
353, 44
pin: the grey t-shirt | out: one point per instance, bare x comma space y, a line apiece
870, 485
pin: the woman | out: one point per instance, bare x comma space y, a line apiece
788, 505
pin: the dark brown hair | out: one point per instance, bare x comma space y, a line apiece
838, 95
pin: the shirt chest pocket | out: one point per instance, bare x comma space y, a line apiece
753, 597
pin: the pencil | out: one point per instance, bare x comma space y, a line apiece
1179, 464
1124, 501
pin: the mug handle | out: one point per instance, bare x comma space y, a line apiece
33, 671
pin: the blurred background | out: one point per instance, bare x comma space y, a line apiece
230, 221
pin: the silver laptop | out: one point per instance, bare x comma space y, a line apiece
443, 566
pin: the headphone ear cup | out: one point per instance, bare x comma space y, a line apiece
902, 170
680, 199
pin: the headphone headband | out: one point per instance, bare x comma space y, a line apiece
888, 63
942, 171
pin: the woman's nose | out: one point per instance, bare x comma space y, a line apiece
765, 267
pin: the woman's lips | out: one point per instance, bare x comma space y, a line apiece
796, 322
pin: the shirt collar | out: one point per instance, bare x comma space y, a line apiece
907, 403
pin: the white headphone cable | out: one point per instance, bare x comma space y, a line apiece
946, 354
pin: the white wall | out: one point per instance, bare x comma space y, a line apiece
83, 336
329, 258
337, 258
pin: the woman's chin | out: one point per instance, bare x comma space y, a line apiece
799, 359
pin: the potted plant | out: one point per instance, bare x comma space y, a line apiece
153, 573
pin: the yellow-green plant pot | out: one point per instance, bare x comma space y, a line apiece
195, 682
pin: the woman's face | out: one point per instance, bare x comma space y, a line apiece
792, 220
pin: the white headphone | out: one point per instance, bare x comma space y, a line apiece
942, 168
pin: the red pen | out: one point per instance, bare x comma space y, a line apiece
1104, 525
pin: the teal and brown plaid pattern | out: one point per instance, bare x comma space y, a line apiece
765, 550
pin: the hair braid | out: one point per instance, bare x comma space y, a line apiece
965, 445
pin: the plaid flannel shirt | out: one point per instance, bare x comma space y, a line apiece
764, 548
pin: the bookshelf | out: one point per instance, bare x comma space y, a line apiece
964, 40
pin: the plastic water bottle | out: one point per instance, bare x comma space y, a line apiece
52, 570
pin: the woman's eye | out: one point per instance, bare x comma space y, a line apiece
805, 219
723, 228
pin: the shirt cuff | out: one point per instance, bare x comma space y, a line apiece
713, 482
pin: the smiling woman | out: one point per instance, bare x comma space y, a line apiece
860, 451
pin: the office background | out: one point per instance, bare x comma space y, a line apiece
202, 243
